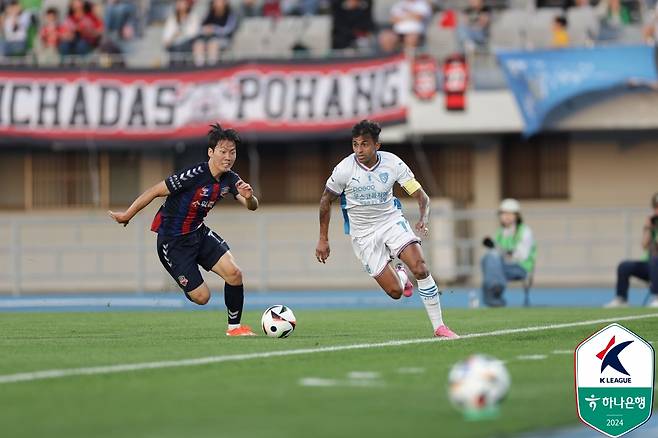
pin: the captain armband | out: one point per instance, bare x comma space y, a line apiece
411, 186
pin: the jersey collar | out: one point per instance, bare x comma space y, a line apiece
366, 168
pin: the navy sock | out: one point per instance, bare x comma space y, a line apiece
234, 299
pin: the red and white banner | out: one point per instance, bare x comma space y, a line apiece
261, 100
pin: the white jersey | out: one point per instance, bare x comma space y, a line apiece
367, 194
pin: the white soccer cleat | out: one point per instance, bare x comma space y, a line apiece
616, 303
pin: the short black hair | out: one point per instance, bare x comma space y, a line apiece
561, 20
53, 11
217, 134
367, 127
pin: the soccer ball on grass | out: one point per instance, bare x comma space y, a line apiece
278, 321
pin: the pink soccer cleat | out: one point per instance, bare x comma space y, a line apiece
443, 331
408, 287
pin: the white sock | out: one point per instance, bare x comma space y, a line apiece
233, 326
402, 275
429, 294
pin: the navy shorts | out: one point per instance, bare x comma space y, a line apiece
181, 256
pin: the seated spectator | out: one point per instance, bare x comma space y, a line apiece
614, 16
510, 255
300, 7
409, 18
475, 31
120, 20
387, 42
646, 268
250, 8
180, 31
49, 35
352, 24
560, 33
217, 30
81, 31
16, 24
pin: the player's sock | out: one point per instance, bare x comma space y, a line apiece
234, 299
429, 294
402, 275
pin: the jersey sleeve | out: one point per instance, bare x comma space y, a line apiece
406, 178
185, 179
338, 180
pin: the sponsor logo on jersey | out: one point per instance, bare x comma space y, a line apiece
383, 177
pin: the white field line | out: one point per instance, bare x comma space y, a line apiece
531, 357
121, 368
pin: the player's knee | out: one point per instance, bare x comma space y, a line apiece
395, 293
201, 298
419, 269
234, 276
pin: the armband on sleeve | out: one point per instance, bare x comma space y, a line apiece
411, 186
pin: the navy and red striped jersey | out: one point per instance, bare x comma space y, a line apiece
193, 192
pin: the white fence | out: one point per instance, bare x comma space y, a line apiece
87, 252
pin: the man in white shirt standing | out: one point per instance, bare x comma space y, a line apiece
409, 18
373, 218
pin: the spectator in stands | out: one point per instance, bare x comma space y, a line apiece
180, 30
409, 18
613, 15
250, 8
353, 26
387, 42
645, 269
81, 31
510, 254
271, 8
560, 33
49, 36
217, 30
300, 7
650, 30
475, 31
120, 20
15, 25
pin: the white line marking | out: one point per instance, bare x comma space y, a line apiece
562, 352
363, 375
317, 381
531, 357
122, 368
411, 370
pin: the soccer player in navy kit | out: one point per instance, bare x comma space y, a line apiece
184, 241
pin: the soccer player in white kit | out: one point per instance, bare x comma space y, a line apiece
364, 183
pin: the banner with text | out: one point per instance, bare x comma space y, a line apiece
543, 80
262, 100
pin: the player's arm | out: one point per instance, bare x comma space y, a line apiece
322, 250
414, 189
123, 217
246, 195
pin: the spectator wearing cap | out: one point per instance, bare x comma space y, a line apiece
646, 268
409, 18
510, 253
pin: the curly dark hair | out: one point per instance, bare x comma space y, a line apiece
217, 134
367, 127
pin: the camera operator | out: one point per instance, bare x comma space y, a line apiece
510, 256
645, 269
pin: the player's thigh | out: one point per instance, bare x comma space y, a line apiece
404, 244
372, 254
215, 256
179, 260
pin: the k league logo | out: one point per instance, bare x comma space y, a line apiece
614, 380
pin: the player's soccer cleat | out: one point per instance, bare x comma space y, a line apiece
243, 330
653, 302
616, 303
408, 287
443, 331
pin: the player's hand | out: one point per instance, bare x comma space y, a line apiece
120, 216
422, 229
322, 251
244, 189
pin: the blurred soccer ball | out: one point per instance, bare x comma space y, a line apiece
278, 321
479, 383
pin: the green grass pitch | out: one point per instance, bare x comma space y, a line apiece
263, 397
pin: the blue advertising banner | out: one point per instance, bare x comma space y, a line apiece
542, 80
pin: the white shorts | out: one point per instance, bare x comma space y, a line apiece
376, 250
